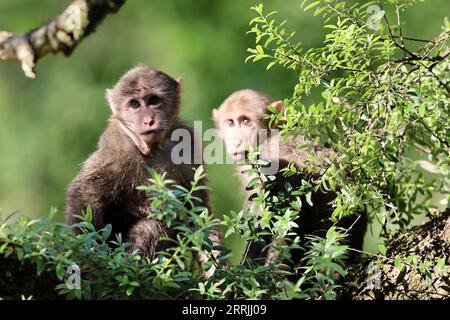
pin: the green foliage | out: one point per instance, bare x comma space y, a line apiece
110, 271
380, 101
273, 216
373, 94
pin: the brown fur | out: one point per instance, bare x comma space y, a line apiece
314, 219
108, 179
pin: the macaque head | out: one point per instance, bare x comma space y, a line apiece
241, 123
146, 102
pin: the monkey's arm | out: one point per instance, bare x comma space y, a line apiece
89, 188
145, 236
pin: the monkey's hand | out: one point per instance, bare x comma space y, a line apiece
145, 236
88, 189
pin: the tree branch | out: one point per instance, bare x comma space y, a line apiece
61, 34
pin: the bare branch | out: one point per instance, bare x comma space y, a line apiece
61, 34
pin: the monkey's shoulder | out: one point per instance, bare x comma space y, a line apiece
115, 140
111, 171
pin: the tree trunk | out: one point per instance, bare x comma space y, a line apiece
415, 266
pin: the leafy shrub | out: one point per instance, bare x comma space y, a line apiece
383, 107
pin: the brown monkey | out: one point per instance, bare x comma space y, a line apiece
145, 106
240, 120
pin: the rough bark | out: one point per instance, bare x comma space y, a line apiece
61, 34
380, 278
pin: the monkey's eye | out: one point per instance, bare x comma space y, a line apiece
230, 122
246, 122
135, 104
153, 100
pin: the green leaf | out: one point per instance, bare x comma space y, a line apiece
271, 64
253, 184
308, 198
310, 6
106, 232
260, 49
60, 272
130, 291
422, 110
382, 249
179, 262
441, 263
401, 275
3, 247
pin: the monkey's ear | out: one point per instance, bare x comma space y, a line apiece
178, 81
109, 99
279, 105
215, 115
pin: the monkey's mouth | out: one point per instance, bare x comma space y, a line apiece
152, 132
150, 136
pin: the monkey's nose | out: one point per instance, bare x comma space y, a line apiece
150, 123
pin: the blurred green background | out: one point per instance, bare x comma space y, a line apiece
48, 126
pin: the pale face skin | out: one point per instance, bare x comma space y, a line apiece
240, 121
143, 116
239, 131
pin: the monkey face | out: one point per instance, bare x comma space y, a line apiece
146, 116
241, 123
239, 133
146, 101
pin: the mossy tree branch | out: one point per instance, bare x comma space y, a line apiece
409, 269
61, 34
